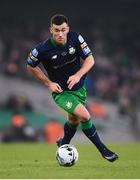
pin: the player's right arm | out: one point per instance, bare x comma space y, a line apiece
32, 62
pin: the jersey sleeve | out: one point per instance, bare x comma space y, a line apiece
84, 50
33, 58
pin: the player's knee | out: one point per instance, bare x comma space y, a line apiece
74, 119
85, 116
81, 112
74, 122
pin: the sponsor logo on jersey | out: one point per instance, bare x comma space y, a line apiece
69, 105
64, 64
80, 39
34, 52
86, 50
71, 50
84, 44
54, 56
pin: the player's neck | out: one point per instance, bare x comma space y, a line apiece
56, 43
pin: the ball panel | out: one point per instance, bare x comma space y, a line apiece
67, 155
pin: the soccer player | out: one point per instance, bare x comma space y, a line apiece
61, 56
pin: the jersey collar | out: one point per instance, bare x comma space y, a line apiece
54, 43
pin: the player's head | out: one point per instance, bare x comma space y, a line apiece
59, 28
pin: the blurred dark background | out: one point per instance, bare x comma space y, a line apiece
112, 30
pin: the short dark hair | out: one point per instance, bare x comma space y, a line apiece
58, 19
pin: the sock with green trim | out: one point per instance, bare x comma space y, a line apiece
69, 132
90, 131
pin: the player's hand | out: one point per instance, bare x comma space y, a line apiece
74, 79
54, 87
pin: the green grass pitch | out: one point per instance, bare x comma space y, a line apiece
37, 161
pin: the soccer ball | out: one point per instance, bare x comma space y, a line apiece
67, 155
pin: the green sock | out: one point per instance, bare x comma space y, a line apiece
90, 131
86, 124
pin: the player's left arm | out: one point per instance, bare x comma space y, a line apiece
86, 54
87, 65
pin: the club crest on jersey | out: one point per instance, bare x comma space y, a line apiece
54, 57
69, 105
71, 50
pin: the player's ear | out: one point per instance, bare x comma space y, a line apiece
51, 30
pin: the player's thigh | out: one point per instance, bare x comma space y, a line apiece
69, 100
73, 119
81, 112
66, 101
